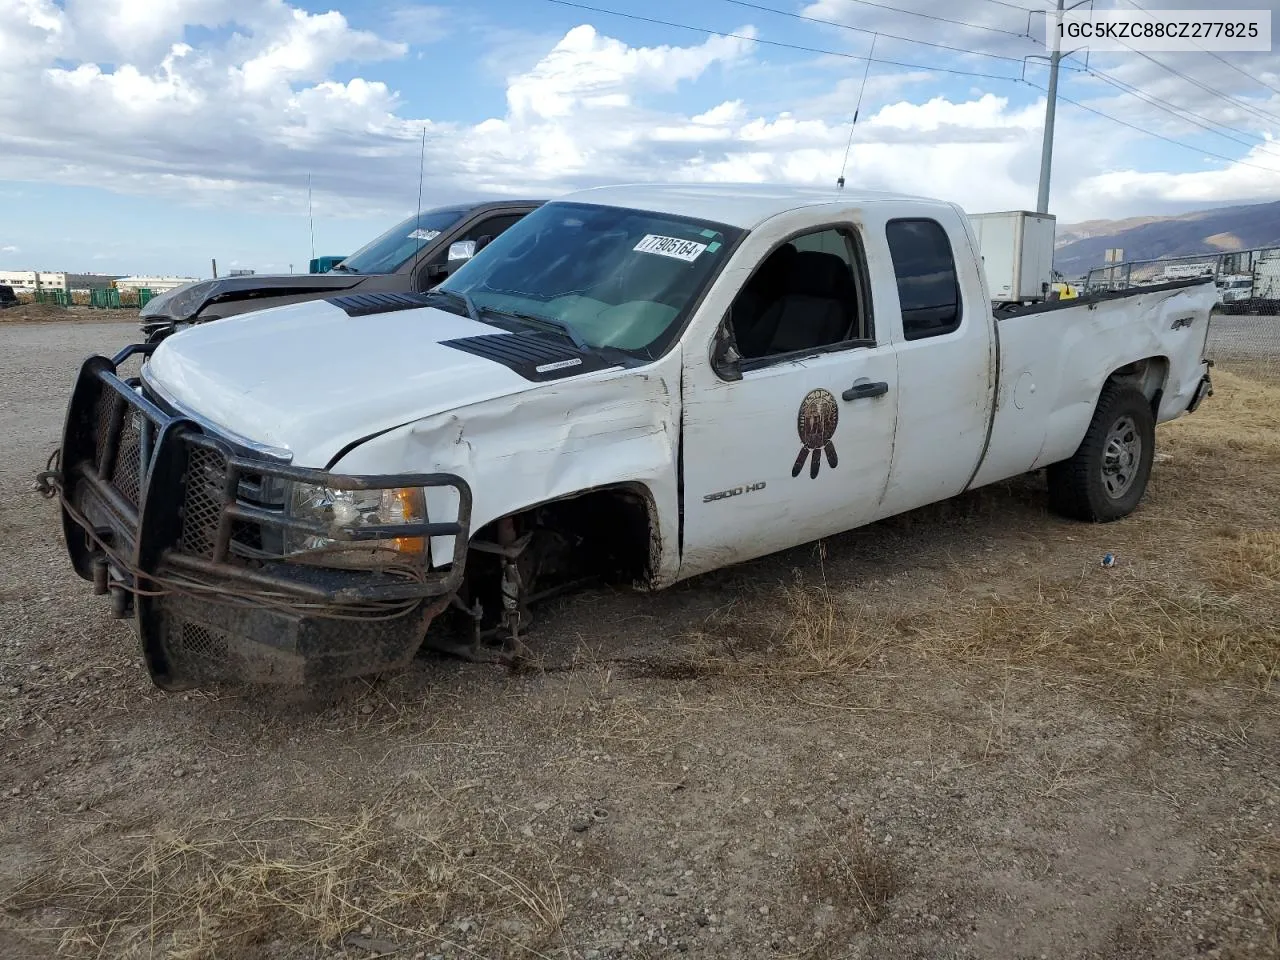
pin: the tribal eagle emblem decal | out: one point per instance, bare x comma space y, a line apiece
816, 424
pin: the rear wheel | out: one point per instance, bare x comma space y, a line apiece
1108, 475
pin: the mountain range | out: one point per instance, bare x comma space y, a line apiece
1080, 246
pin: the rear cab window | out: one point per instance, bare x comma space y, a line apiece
928, 284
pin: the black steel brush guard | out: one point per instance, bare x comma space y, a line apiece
176, 522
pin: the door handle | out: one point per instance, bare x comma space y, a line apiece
862, 391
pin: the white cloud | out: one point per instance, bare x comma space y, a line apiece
10, 249
308, 47
244, 115
586, 69
419, 23
1255, 176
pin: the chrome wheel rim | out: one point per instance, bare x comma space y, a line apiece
1121, 457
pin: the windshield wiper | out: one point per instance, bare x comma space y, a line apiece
551, 323
343, 267
472, 310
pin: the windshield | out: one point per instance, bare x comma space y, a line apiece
616, 277
394, 248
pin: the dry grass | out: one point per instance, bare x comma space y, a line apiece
1202, 599
1246, 563
1240, 422
847, 871
221, 889
1136, 628
797, 632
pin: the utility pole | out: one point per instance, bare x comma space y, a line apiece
1046, 148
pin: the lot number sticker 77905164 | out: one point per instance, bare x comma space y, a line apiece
687, 250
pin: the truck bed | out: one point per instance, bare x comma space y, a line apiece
1101, 296
1054, 357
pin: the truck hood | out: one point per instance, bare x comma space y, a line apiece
183, 303
309, 379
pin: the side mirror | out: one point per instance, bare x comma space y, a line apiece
461, 250
725, 358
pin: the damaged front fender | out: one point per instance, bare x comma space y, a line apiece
614, 429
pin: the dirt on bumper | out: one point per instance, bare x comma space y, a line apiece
175, 523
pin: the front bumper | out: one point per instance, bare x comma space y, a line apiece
172, 520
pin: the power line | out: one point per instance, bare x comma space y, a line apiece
1012, 6
1221, 59
880, 33
995, 56
932, 16
1152, 133
1269, 117
785, 46
910, 66
1182, 113
1272, 118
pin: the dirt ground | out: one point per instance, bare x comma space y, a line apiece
954, 734
51, 313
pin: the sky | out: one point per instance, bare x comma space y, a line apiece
151, 136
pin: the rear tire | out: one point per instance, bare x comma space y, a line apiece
1107, 476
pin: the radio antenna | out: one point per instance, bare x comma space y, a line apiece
311, 218
857, 108
422, 157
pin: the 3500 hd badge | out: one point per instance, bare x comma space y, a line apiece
735, 492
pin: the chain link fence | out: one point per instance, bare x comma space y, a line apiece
1247, 344
98, 299
1244, 336
1241, 274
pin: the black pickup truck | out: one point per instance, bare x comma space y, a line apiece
413, 256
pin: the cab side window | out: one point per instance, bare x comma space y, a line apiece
928, 287
490, 227
806, 295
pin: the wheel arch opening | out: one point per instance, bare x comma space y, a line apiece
1148, 375
604, 535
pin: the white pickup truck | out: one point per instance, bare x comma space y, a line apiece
640, 382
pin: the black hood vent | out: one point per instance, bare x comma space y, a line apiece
535, 356
367, 304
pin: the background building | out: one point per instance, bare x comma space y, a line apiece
154, 284
27, 281
84, 282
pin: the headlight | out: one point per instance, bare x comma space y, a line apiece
343, 513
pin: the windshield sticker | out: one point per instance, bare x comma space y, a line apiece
710, 234
427, 235
713, 247
674, 247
